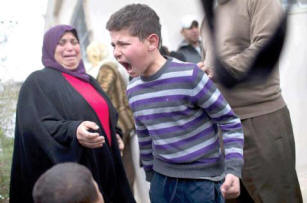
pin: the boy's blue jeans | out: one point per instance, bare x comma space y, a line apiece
165, 189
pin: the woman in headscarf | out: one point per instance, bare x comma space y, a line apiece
64, 116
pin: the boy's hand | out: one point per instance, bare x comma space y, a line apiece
207, 70
231, 187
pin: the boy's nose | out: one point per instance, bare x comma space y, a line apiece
116, 53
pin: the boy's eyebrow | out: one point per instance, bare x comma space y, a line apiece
119, 42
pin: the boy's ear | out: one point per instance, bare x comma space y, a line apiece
153, 41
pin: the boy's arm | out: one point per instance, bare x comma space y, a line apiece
212, 101
145, 144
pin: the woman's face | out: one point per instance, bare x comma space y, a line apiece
67, 52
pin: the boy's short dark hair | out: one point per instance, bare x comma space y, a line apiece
139, 19
66, 183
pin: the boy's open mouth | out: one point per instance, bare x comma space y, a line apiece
127, 66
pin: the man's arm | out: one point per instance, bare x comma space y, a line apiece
264, 18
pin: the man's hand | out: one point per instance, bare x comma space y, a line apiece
231, 187
207, 70
120, 143
88, 136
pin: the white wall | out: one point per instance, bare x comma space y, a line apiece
64, 16
293, 74
169, 11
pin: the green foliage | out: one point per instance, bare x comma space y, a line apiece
6, 149
8, 99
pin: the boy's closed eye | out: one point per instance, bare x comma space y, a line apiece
120, 44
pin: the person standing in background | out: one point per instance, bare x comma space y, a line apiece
113, 84
242, 29
191, 47
95, 52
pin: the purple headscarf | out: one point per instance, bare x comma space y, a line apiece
51, 39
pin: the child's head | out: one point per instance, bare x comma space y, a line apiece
136, 37
139, 19
67, 182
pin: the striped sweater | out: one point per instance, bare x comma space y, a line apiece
178, 112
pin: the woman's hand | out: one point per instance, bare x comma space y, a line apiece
231, 187
120, 143
88, 136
